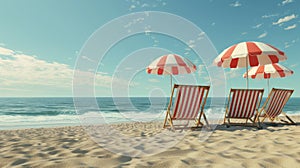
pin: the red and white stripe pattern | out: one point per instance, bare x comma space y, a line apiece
244, 103
188, 102
249, 54
171, 64
268, 71
278, 99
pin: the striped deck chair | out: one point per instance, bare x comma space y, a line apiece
189, 101
243, 104
274, 104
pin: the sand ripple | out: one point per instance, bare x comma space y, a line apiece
272, 146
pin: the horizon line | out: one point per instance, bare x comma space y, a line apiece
1, 97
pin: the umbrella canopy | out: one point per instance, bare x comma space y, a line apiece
268, 71
246, 54
171, 64
251, 54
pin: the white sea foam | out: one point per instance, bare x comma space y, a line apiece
93, 117
23, 121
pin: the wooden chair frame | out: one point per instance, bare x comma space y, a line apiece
168, 119
255, 121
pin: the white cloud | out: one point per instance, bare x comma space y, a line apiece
145, 5
132, 7
291, 27
88, 59
21, 69
147, 30
191, 43
135, 4
201, 36
291, 43
269, 16
5, 51
235, 4
186, 53
285, 19
27, 72
294, 65
263, 35
257, 26
244, 33
284, 2
187, 49
286, 45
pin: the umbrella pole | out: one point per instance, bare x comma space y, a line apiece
268, 85
247, 72
247, 78
171, 82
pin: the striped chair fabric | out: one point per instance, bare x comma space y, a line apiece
188, 101
244, 103
277, 100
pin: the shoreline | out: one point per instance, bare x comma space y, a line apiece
73, 146
213, 120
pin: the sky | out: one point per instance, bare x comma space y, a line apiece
52, 48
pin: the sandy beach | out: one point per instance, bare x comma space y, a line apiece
272, 146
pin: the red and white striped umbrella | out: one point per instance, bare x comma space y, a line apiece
171, 64
251, 54
268, 71
246, 54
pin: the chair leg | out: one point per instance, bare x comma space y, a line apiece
289, 118
198, 123
258, 124
171, 122
269, 117
228, 125
165, 120
256, 120
168, 119
264, 117
198, 120
206, 121
272, 119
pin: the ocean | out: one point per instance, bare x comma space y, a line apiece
19, 113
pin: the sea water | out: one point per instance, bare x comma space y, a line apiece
19, 113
